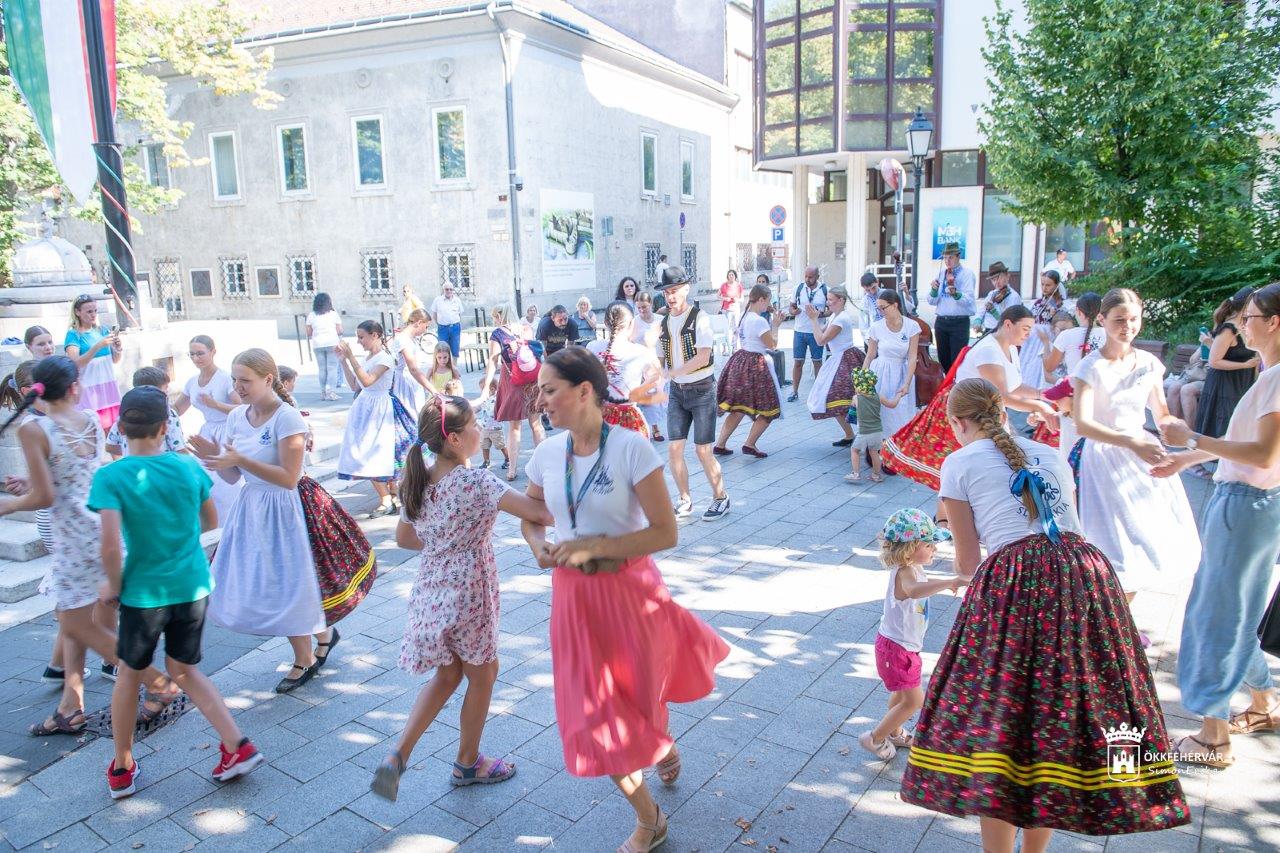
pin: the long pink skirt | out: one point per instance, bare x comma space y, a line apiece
621, 649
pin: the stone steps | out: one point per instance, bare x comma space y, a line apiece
19, 541
20, 580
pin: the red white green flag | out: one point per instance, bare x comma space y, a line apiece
49, 63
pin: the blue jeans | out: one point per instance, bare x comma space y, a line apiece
451, 334
1219, 650
327, 370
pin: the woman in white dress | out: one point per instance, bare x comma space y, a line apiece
832, 392
1069, 349
1142, 523
369, 441
995, 359
748, 387
891, 354
633, 371
264, 575
408, 382
212, 393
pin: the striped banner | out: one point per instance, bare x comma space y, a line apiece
49, 64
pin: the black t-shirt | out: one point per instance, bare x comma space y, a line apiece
555, 338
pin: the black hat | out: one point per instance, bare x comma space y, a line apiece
673, 276
144, 406
868, 279
997, 268
951, 249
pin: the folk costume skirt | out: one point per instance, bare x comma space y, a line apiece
916, 451
621, 649
1044, 661
832, 392
627, 416
346, 566
748, 386
515, 402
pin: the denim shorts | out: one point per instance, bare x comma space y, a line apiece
805, 342
692, 404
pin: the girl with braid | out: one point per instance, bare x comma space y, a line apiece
632, 370
747, 385
1069, 349
1042, 675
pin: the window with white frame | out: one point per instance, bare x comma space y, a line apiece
224, 165
450, 127
457, 264
293, 159
235, 278
686, 170
649, 163
377, 272
268, 280
652, 252
366, 141
689, 260
201, 283
302, 276
156, 166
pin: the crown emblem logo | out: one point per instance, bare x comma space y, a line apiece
1123, 735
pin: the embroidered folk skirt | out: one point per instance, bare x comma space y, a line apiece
832, 392
748, 386
346, 566
1043, 660
627, 416
916, 450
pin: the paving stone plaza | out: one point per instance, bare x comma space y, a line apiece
771, 759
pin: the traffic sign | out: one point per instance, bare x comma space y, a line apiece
778, 235
778, 215
682, 219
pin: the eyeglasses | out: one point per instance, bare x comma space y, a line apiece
880, 306
1248, 317
196, 354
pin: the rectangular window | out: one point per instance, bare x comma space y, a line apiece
649, 163
377, 271
959, 168
652, 252
235, 283
366, 135
689, 260
1069, 237
293, 159
686, 170
450, 125
457, 266
764, 257
225, 166
268, 280
835, 186
744, 256
156, 166
169, 285
1001, 239
302, 276
201, 284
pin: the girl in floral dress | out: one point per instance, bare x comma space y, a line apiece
449, 512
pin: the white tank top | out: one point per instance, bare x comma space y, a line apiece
904, 621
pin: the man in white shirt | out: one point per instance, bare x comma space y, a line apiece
447, 309
805, 344
685, 344
660, 269
1062, 266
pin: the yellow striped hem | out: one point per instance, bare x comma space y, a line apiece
357, 579
1040, 773
835, 404
747, 410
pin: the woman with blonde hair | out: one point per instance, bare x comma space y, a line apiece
1042, 666
517, 397
95, 351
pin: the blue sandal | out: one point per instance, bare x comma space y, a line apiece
499, 771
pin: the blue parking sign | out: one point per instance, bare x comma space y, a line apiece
778, 235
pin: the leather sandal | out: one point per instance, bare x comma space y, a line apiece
659, 830
61, 725
1207, 755
1249, 721
669, 767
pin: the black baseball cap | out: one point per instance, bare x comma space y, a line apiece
144, 406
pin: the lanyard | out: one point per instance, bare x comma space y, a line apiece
586, 481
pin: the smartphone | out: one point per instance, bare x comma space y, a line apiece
1204, 350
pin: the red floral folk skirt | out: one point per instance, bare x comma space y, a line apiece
627, 416
747, 385
916, 451
346, 565
1042, 664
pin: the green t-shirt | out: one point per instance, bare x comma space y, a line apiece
869, 414
158, 498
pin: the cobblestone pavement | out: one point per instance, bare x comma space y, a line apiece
771, 758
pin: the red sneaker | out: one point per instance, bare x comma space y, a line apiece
122, 783
233, 764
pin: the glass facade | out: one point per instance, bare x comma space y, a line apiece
797, 81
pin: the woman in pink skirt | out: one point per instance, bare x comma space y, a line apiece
621, 648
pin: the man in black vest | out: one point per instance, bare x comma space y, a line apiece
685, 346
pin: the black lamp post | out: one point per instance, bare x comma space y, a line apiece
919, 140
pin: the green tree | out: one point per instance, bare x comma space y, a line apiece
195, 38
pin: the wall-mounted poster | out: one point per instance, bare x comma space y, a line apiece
950, 225
568, 240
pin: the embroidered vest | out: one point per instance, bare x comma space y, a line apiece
688, 337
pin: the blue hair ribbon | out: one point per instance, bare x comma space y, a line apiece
1028, 479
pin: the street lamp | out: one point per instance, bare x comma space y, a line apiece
919, 140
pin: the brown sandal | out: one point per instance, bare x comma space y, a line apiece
659, 830
669, 767
1249, 721
1207, 755
146, 715
61, 725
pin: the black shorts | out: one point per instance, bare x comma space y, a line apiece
140, 628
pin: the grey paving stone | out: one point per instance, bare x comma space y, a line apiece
881, 820
320, 720
571, 796
161, 835
300, 808
420, 786
1230, 830
309, 761
758, 773
123, 818
710, 822
603, 828
343, 830
480, 804
936, 841
728, 728
545, 748
431, 830
503, 735
805, 724
231, 802
77, 837
523, 826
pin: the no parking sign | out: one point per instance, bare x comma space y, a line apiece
778, 215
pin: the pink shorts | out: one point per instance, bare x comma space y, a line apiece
898, 668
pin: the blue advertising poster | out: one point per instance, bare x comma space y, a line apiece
950, 225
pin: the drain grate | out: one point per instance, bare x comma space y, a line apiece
99, 722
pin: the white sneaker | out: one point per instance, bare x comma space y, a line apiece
717, 510
885, 750
852, 478
684, 507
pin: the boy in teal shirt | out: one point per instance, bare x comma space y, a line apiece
160, 502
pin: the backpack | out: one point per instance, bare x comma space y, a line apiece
523, 361
821, 287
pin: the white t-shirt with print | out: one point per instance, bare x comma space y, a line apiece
980, 475
324, 329
987, 351
817, 297
611, 506
703, 338
750, 332
904, 620
1069, 341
